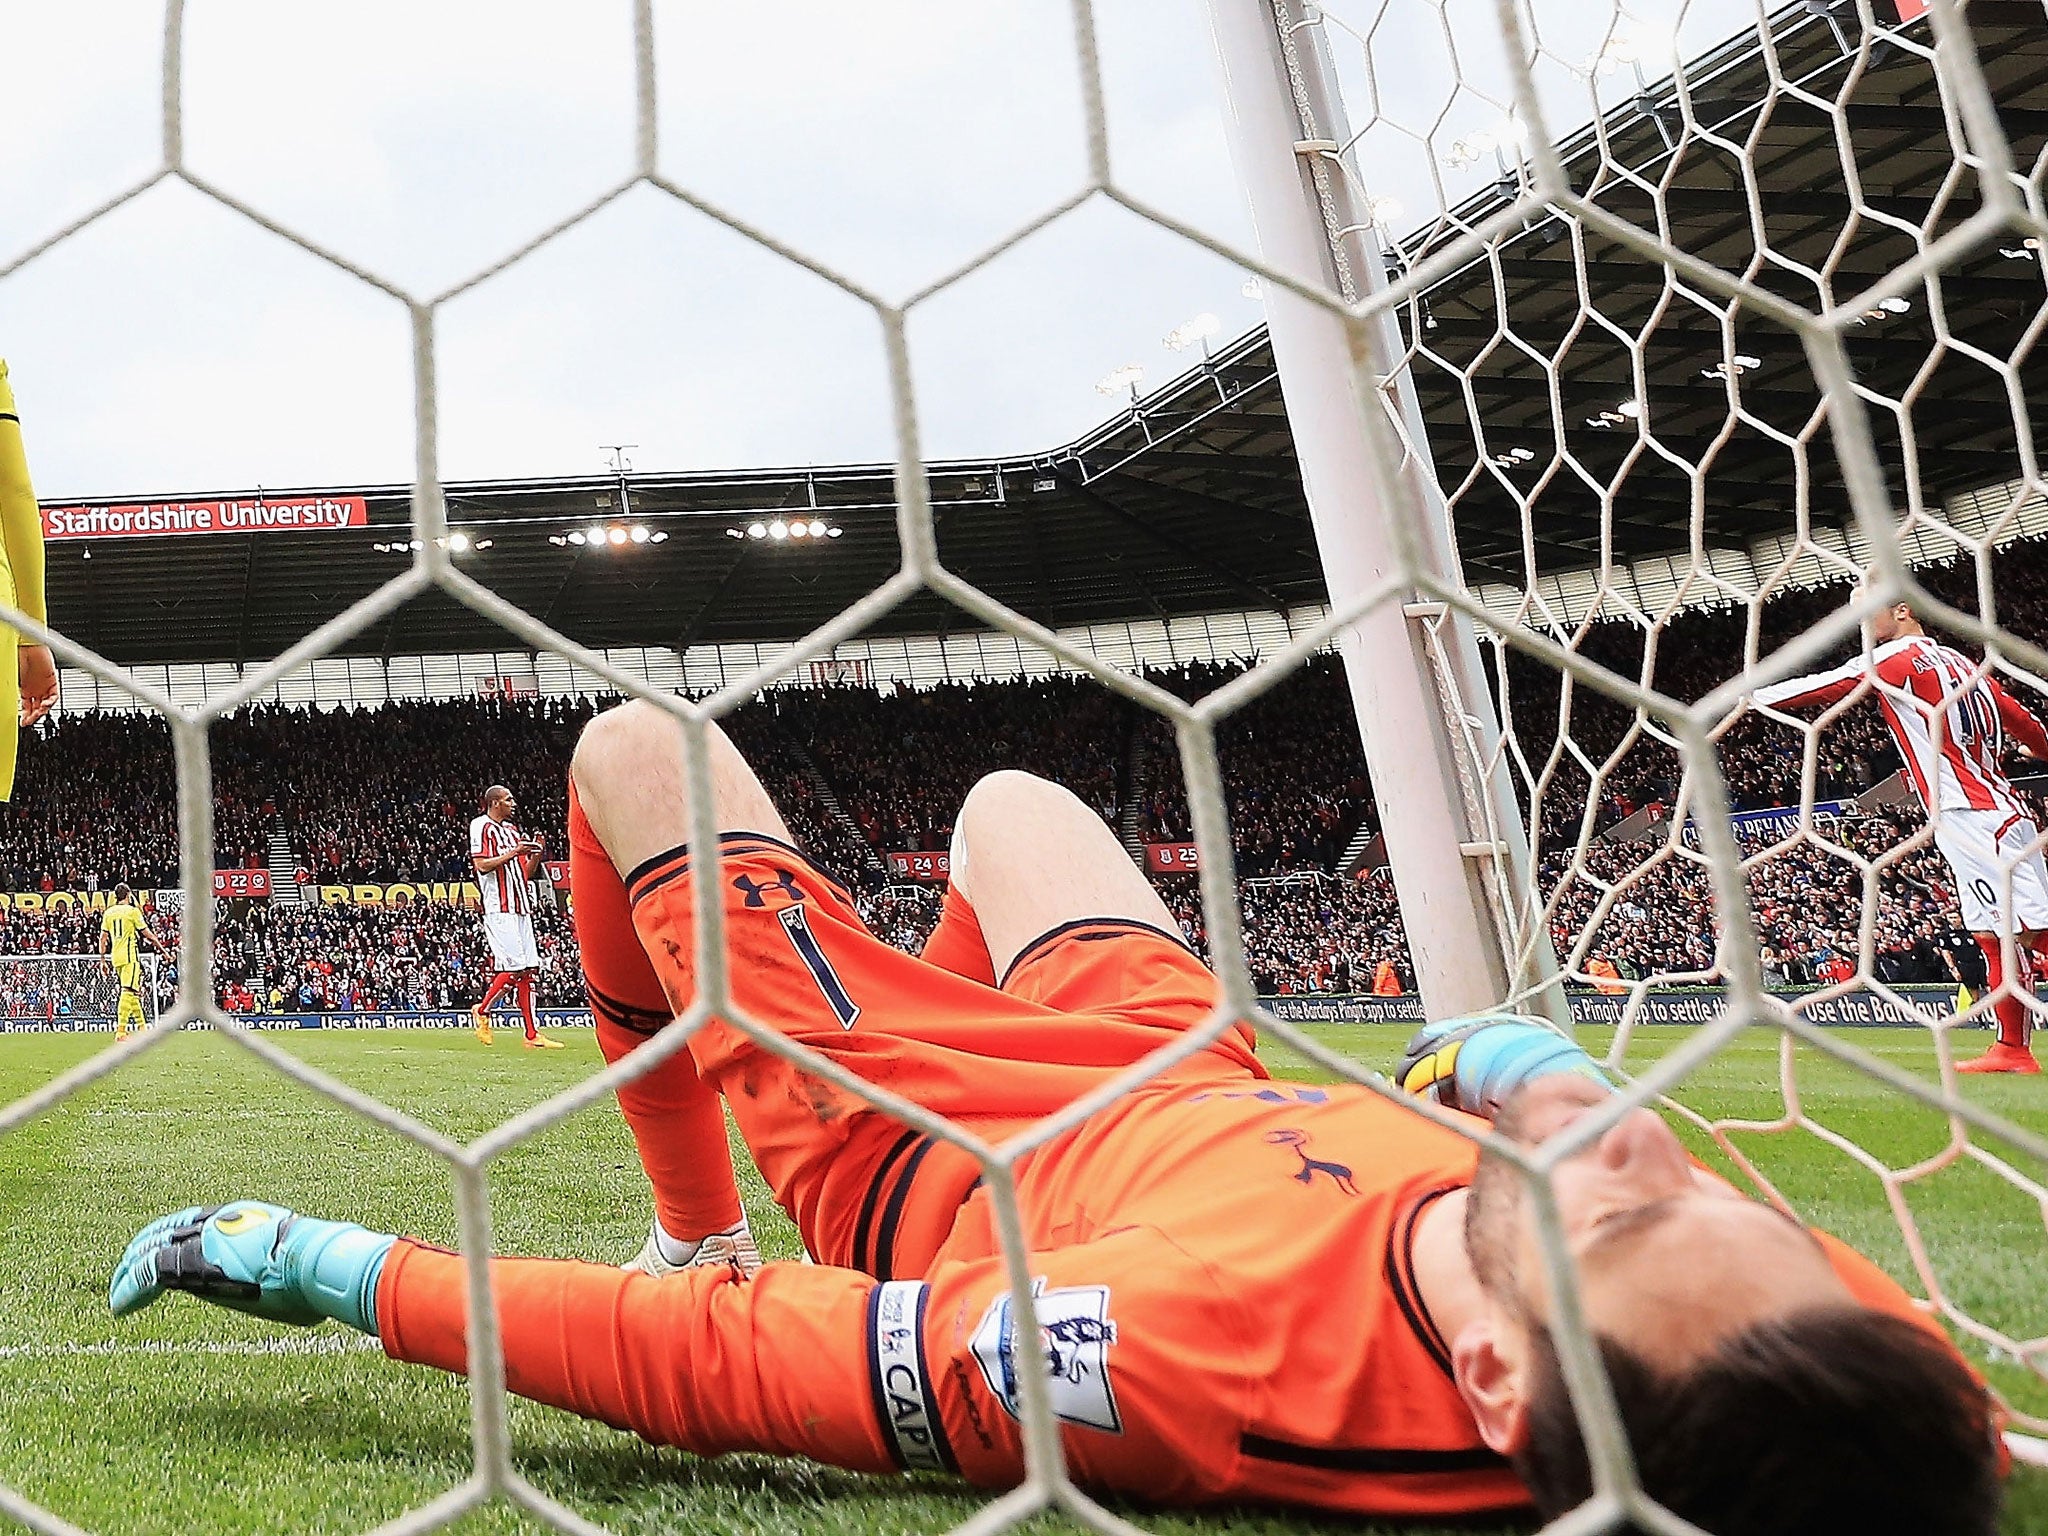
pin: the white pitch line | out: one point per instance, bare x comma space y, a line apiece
314, 1344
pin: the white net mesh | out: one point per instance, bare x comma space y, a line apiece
1562, 295
69, 992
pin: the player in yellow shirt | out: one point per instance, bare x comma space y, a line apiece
123, 930
28, 675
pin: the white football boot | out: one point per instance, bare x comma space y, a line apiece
734, 1246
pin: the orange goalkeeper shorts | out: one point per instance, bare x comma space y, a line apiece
1078, 1006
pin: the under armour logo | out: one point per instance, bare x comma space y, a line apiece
756, 891
1311, 1166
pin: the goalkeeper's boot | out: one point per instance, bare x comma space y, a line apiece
2001, 1057
734, 1246
481, 1018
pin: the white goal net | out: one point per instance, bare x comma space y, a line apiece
1648, 321
49, 992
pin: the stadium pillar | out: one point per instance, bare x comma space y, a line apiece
1460, 856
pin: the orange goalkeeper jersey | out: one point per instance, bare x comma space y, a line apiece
1224, 1301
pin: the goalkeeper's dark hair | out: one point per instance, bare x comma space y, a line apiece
1833, 1419
121, 891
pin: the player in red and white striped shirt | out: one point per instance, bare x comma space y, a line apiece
503, 858
1954, 726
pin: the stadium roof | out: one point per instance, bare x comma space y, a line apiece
1191, 500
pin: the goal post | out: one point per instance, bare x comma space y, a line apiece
67, 992
1461, 860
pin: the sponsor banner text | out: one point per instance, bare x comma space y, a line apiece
442, 1018
1663, 1005
155, 519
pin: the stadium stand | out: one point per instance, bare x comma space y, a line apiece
384, 795
904, 759
1293, 769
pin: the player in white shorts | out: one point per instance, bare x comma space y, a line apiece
504, 858
1953, 728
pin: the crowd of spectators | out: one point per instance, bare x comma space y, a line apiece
94, 801
334, 959
1659, 917
1696, 651
385, 794
1308, 933
1294, 776
281, 959
902, 759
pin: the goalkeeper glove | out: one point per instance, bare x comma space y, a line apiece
260, 1259
1476, 1063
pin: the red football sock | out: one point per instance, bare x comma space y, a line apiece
675, 1116
2015, 1023
498, 984
524, 987
957, 944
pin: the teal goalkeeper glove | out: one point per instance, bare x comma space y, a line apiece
256, 1258
1476, 1063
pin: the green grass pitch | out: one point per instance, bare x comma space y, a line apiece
192, 1418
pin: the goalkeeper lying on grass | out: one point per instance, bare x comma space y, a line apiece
1247, 1290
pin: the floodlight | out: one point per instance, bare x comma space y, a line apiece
1466, 149
817, 528
594, 533
1121, 381
1188, 332
778, 529
616, 535
757, 530
639, 534
799, 529
1741, 363
1637, 43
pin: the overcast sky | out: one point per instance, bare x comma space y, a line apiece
175, 348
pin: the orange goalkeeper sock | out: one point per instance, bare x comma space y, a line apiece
675, 1116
